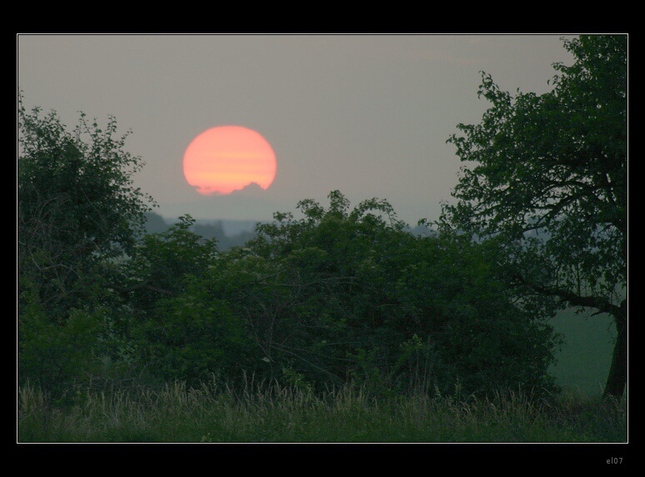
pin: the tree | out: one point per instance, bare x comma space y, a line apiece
79, 214
549, 185
77, 206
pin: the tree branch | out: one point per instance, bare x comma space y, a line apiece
573, 299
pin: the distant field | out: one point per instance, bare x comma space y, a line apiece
583, 363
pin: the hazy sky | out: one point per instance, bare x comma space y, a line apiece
366, 114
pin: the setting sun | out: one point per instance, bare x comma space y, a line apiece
227, 158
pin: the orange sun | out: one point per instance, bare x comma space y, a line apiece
227, 158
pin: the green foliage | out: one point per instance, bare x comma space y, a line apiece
193, 338
347, 294
160, 262
184, 330
56, 357
549, 184
555, 163
79, 215
77, 203
338, 295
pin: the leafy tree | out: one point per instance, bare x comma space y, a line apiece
78, 215
549, 183
77, 207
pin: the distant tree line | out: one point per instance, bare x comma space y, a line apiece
155, 223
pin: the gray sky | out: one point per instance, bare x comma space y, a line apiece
366, 114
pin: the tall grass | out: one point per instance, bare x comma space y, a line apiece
271, 412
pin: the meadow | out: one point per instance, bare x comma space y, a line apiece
270, 412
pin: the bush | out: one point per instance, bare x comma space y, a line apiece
346, 295
57, 357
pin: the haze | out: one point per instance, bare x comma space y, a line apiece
366, 114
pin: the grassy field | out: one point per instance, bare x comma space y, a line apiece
273, 413
583, 363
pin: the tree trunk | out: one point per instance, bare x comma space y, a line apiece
617, 378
